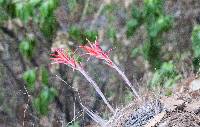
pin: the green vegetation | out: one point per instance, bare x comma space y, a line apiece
42, 13
166, 76
27, 46
79, 35
142, 37
156, 22
196, 47
30, 79
44, 99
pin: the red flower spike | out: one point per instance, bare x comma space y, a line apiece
61, 57
96, 51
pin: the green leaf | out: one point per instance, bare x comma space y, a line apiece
136, 51
44, 9
47, 8
49, 26
150, 52
30, 77
166, 76
34, 2
196, 63
26, 47
75, 33
80, 35
36, 104
136, 12
112, 34
1, 1
154, 7
52, 94
42, 102
196, 41
91, 35
24, 11
132, 25
46, 96
162, 24
44, 75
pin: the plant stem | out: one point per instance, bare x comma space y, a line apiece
85, 10
126, 80
98, 90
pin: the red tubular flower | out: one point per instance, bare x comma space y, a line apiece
96, 51
59, 56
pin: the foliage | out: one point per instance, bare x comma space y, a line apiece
166, 76
112, 34
152, 16
44, 76
45, 97
196, 47
26, 47
41, 12
79, 35
30, 78
48, 26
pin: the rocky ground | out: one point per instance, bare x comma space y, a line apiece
179, 110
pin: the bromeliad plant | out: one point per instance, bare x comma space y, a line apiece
62, 57
59, 56
96, 51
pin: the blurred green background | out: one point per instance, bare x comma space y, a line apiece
155, 42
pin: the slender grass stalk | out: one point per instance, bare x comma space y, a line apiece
84, 73
85, 10
126, 80
95, 117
